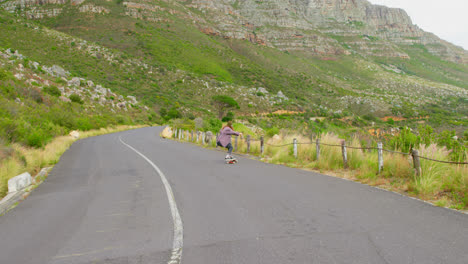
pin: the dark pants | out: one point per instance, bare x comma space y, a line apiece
228, 146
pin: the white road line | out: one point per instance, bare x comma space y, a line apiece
176, 256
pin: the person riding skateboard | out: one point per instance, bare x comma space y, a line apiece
224, 138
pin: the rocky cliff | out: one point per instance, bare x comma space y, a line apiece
313, 25
318, 27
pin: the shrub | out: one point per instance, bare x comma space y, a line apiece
174, 113
35, 94
272, 131
3, 74
76, 99
213, 124
224, 102
229, 117
37, 138
52, 90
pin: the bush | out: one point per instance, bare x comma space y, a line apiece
34, 94
213, 124
272, 131
76, 99
37, 138
3, 74
52, 90
229, 117
173, 113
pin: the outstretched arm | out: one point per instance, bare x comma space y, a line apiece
229, 131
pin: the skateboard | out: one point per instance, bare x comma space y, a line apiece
231, 161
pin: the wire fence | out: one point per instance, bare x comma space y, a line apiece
414, 153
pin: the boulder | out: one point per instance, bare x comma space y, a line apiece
34, 64
166, 133
19, 182
19, 76
58, 71
262, 90
122, 105
75, 134
132, 99
282, 96
75, 81
209, 136
101, 90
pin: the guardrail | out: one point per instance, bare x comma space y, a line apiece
210, 138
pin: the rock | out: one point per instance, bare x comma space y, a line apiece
262, 90
276, 138
101, 90
132, 99
17, 100
167, 132
122, 105
209, 136
34, 64
75, 134
19, 76
90, 83
19, 182
94, 9
77, 2
282, 96
75, 81
58, 71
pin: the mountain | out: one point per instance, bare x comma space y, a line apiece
314, 26
321, 56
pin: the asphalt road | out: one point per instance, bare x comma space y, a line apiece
104, 203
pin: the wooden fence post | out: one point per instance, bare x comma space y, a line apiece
261, 145
191, 137
295, 148
317, 147
345, 156
248, 143
380, 152
235, 143
416, 162
203, 138
175, 133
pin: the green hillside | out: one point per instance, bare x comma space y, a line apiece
170, 63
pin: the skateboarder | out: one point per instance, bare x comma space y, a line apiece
224, 138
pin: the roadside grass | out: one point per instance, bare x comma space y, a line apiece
26, 159
442, 184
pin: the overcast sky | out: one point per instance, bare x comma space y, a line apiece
447, 19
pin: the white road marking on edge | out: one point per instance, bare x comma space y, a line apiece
176, 256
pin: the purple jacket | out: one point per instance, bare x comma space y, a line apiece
225, 136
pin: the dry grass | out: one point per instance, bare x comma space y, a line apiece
441, 183
32, 160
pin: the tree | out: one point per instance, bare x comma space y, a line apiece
222, 103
